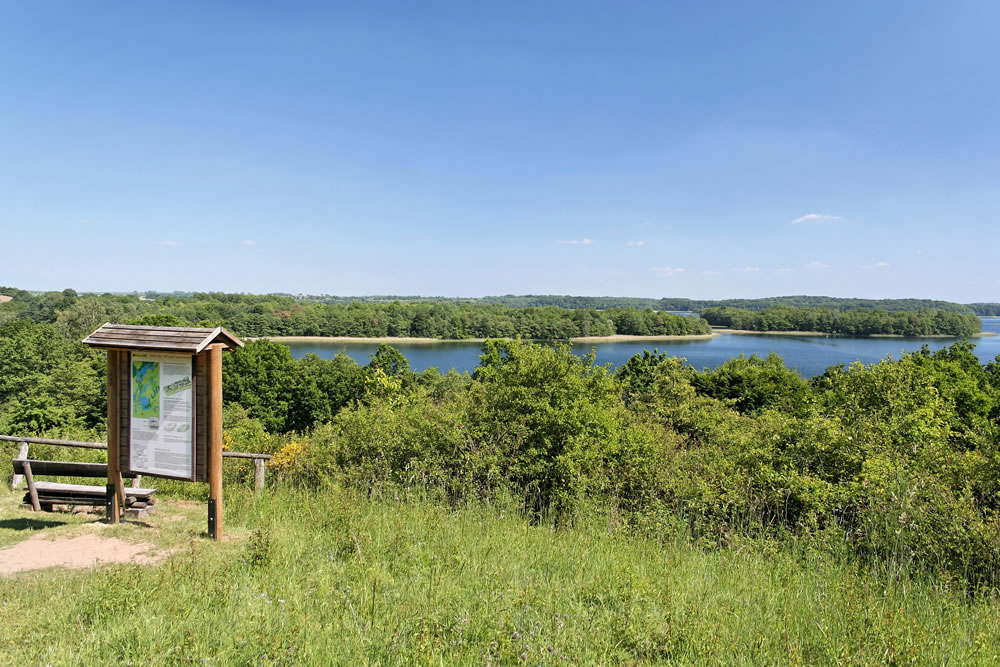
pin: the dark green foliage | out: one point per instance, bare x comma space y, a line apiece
159, 320
698, 305
48, 383
321, 388
986, 309
861, 322
751, 384
262, 378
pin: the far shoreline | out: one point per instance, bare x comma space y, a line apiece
393, 340
750, 332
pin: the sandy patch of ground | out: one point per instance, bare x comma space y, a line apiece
627, 338
85, 551
4, 298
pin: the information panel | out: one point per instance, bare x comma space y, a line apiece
162, 426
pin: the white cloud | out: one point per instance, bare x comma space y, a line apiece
248, 242
817, 264
666, 270
815, 217
577, 242
876, 265
635, 244
748, 269
172, 244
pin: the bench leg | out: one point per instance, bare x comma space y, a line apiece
32, 492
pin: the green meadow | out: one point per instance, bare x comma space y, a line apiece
332, 576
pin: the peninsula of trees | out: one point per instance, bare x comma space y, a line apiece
861, 322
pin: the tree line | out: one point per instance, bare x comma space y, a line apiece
862, 322
251, 316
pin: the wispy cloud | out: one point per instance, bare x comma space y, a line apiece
248, 242
785, 270
710, 272
577, 242
876, 265
747, 269
666, 270
635, 244
817, 264
172, 244
815, 217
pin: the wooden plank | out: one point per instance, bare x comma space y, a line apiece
187, 348
125, 412
63, 468
148, 335
201, 394
60, 487
15, 480
147, 327
247, 455
32, 490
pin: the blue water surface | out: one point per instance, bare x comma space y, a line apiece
810, 355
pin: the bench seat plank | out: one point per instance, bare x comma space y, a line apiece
65, 468
84, 490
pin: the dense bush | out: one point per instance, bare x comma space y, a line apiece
898, 459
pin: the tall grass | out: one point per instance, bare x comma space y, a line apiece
335, 577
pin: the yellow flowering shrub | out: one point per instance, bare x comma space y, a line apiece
290, 459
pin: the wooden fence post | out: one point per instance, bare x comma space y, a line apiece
259, 471
22, 453
214, 433
114, 478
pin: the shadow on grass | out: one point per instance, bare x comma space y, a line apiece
29, 524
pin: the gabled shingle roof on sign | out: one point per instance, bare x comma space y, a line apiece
168, 339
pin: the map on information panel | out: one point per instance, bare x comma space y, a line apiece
161, 433
145, 389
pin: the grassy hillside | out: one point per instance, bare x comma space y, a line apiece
333, 577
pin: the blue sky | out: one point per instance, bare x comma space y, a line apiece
707, 150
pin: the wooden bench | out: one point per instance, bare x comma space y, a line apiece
45, 495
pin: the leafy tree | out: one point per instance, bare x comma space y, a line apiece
752, 384
261, 377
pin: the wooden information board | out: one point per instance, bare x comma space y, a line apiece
165, 406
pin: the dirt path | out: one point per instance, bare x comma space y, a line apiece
39, 552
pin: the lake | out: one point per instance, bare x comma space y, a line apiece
810, 355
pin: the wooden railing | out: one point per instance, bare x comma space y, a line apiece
259, 460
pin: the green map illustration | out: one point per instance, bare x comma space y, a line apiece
145, 389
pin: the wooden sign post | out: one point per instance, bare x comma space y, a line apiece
165, 407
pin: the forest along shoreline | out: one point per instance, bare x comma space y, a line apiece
389, 340
751, 332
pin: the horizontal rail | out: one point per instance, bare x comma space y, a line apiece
247, 455
49, 441
101, 445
